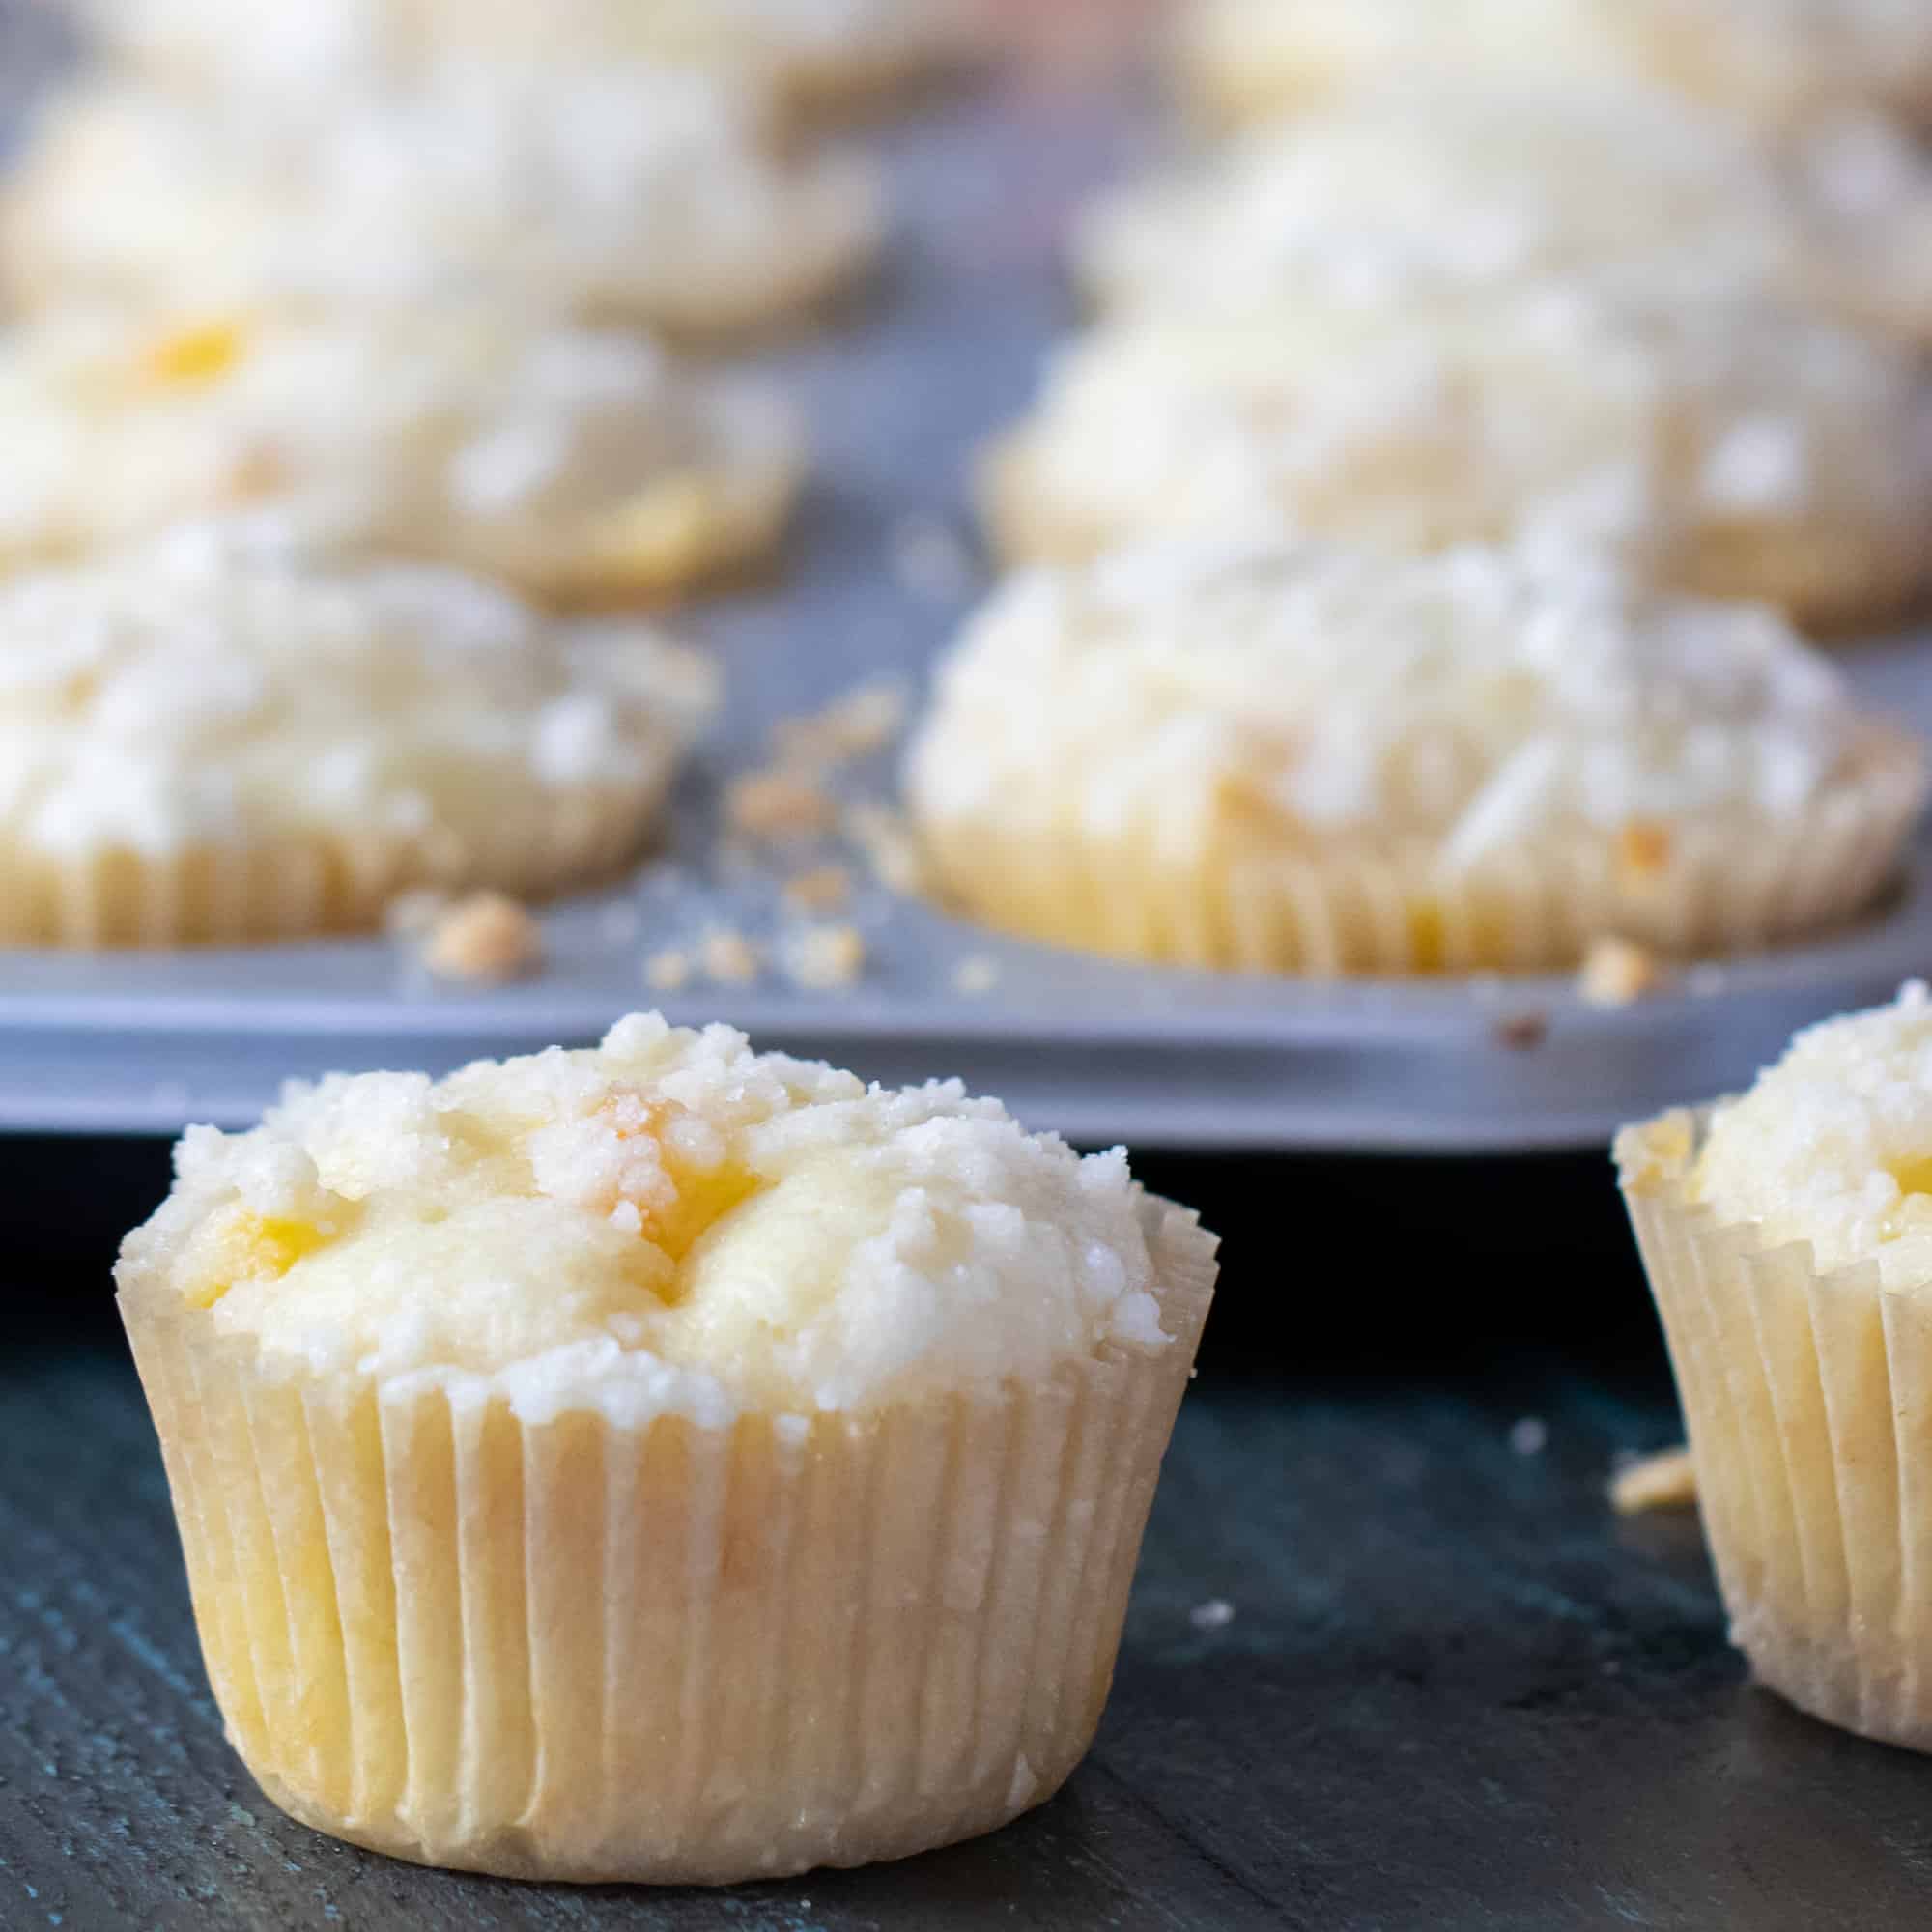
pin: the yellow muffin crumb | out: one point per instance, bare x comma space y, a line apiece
823, 889
777, 806
1618, 973
1665, 1481
670, 970
864, 720
487, 936
824, 959
730, 958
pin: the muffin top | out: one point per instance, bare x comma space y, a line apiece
488, 432
669, 1222
658, 194
1559, 413
1779, 61
1833, 1145
1298, 692
214, 684
1456, 185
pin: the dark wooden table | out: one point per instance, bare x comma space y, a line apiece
1454, 1692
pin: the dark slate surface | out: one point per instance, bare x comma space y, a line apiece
1455, 1693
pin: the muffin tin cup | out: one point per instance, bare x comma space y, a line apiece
1809, 1399
300, 884
1153, 890
580, 1644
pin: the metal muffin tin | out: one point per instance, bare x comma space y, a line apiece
900, 393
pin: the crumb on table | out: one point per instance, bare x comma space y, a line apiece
824, 959
1618, 973
1522, 1033
823, 889
486, 936
1665, 1481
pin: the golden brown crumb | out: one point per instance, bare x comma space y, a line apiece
730, 958
485, 936
1618, 973
1643, 849
889, 846
975, 975
825, 889
668, 971
1668, 1481
778, 805
864, 720
825, 958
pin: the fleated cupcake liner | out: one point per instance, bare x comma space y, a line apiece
1151, 890
576, 1648
1808, 1400
299, 885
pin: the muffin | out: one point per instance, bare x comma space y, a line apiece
576, 465
1788, 1237
818, 52
1290, 757
1779, 63
652, 197
1461, 186
1726, 448
212, 739
663, 1461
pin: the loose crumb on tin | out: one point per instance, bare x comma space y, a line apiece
1531, 1437
485, 937
824, 959
1522, 1033
1216, 1613
865, 720
1665, 1481
823, 889
976, 976
670, 970
1619, 973
729, 960
777, 806
887, 843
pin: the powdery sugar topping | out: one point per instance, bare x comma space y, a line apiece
1833, 1145
669, 1221
216, 685
1473, 698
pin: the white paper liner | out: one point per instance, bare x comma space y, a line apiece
1379, 906
1809, 1399
301, 885
575, 1650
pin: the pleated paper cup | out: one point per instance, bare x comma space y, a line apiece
1809, 1399
1151, 888
303, 884
572, 1645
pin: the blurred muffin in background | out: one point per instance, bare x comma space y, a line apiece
655, 198
1423, 189
1295, 758
577, 466
1779, 63
216, 739
1725, 447
815, 52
